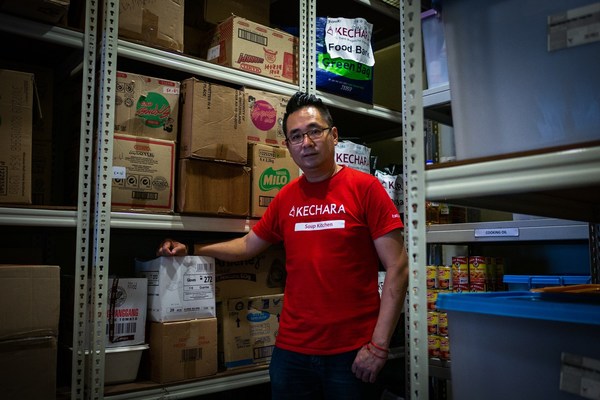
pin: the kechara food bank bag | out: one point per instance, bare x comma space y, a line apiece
345, 57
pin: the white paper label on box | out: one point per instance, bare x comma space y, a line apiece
213, 53
119, 172
170, 90
574, 27
497, 232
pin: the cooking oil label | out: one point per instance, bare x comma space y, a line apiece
574, 27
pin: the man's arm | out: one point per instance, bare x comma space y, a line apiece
372, 357
237, 249
391, 251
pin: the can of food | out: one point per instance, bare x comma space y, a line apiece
433, 346
444, 348
432, 322
431, 271
442, 323
431, 299
478, 274
499, 271
444, 277
460, 274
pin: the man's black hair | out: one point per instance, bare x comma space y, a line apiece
300, 100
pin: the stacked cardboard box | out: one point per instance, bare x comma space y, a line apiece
264, 111
255, 48
157, 23
182, 315
212, 173
146, 129
29, 316
248, 327
249, 297
16, 114
272, 168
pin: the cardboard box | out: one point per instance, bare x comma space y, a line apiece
260, 275
16, 116
183, 350
143, 174
213, 123
157, 23
272, 168
264, 111
210, 187
125, 313
255, 48
147, 106
28, 368
387, 78
217, 11
30, 298
42, 145
51, 11
247, 329
179, 288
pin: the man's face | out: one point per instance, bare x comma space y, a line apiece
313, 156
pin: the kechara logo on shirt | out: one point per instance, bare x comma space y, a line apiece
317, 209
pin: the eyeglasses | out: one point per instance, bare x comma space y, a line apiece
313, 134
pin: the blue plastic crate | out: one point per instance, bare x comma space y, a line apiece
508, 345
526, 282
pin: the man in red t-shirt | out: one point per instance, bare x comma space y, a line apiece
337, 224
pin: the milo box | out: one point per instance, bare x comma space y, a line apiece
272, 168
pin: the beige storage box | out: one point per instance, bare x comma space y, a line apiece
147, 106
255, 48
272, 169
143, 174
213, 124
183, 350
30, 298
16, 121
210, 187
264, 116
249, 327
157, 23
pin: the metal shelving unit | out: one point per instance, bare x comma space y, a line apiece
555, 183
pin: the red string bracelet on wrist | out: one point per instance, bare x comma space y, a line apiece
379, 347
375, 354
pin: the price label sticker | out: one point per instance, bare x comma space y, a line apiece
119, 172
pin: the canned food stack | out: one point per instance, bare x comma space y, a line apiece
465, 274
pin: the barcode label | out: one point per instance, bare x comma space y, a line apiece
192, 354
264, 201
123, 328
252, 37
263, 352
144, 195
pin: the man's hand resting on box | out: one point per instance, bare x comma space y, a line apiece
170, 247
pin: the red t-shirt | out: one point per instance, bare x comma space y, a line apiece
331, 300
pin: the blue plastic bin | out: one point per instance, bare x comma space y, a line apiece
508, 345
526, 282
